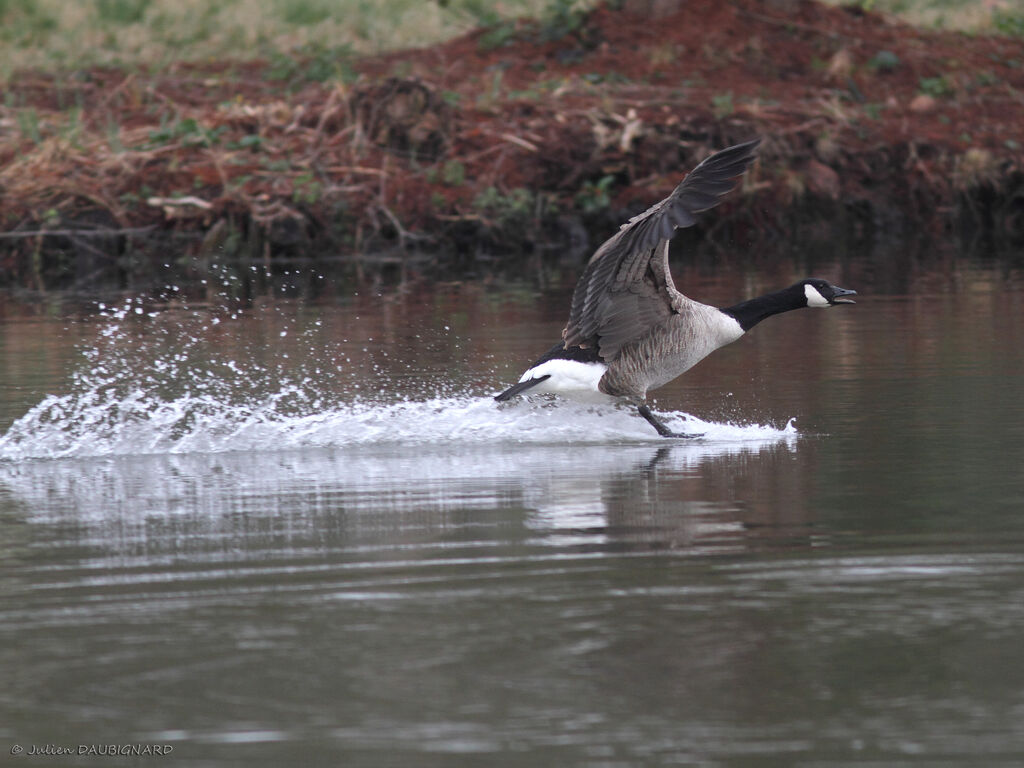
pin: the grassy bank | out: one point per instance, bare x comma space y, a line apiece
259, 134
151, 34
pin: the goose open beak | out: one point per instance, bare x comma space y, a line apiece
841, 292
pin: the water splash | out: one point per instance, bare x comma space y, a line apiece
192, 382
94, 424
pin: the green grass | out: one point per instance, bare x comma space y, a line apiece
70, 34
121, 12
62, 34
965, 15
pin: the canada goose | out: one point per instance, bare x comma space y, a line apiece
629, 329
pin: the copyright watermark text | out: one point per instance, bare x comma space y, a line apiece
118, 750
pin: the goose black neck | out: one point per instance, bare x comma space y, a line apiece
751, 312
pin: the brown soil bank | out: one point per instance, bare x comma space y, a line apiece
486, 153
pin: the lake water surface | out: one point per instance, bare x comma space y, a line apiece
301, 532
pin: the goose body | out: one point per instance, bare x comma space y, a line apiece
629, 329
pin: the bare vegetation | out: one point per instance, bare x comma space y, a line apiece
503, 144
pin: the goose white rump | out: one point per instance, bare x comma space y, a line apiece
568, 378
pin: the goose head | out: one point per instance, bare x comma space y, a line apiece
821, 293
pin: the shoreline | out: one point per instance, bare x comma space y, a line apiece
510, 146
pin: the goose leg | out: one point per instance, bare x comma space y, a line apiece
664, 431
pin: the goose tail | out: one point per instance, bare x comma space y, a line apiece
520, 387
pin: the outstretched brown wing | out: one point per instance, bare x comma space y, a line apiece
627, 286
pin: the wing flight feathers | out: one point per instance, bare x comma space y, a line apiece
601, 312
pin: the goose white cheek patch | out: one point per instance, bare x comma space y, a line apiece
814, 298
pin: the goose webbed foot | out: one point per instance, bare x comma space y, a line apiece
664, 431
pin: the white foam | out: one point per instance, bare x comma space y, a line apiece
90, 424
